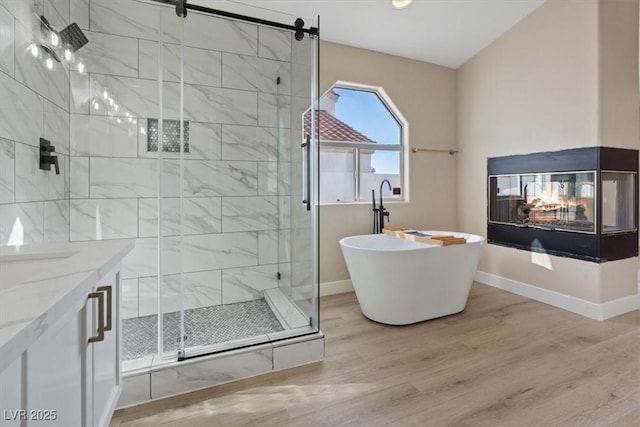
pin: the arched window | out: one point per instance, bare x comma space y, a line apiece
362, 142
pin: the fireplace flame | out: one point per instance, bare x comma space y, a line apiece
552, 208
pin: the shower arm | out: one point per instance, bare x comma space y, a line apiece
298, 27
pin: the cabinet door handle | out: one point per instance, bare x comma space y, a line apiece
100, 333
107, 289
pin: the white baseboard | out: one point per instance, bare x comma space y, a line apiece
337, 287
620, 306
585, 308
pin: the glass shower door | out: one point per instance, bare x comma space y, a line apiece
299, 208
246, 248
168, 136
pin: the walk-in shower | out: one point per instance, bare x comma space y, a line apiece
187, 136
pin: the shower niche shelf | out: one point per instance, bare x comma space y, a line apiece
171, 135
578, 203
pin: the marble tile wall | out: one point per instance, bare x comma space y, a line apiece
34, 103
237, 215
235, 187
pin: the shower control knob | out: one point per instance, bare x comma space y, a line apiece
46, 158
55, 164
51, 160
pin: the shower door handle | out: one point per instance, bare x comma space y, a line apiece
307, 196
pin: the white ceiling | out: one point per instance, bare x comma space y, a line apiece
444, 32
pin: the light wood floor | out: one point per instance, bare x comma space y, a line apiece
504, 361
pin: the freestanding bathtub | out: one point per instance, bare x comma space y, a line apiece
399, 281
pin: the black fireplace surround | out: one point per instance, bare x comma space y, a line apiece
580, 203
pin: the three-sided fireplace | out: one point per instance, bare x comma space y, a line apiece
579, 203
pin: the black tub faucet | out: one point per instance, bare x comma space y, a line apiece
383, 212
379, 212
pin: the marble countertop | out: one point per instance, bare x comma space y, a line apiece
40, 283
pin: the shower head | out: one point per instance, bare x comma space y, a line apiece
73, 37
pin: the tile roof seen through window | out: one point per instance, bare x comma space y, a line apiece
334, 129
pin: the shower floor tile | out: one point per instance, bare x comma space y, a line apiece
203, 326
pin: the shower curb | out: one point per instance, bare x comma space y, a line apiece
175, 378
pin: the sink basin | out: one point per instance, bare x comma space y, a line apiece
17, 268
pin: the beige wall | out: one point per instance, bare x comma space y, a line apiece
564, 77
425, 95
618, 22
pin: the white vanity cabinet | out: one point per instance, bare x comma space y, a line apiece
70, 375
103, 373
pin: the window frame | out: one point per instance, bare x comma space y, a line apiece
403, 147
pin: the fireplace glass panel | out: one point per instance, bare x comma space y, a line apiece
559, 201
618, 189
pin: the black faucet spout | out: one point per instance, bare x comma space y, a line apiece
382, 211
382, 185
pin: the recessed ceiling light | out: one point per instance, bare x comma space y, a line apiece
400, 4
